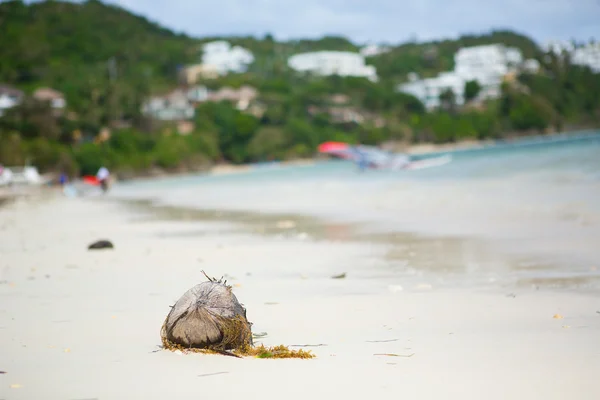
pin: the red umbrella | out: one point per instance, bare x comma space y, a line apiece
329, 147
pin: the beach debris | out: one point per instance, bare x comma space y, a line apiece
101, 244
511, 295
213, 373
381, 341
208, 318
340, 276
16, 386
67, 350
279, 352
2, 372
394, 354
424, 286
557, 316
259, 335
271, 303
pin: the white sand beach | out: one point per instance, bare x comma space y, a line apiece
79, 324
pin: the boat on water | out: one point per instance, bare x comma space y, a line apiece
371, 157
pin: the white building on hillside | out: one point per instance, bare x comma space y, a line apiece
428, 91
486, 64
371, 50
55, 98
558, 47
588, 55
495, 59
9, 98
173, 106
225, 58
326, 63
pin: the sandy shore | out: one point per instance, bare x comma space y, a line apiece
76, 324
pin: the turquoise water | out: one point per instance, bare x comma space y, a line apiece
535, 194
576, 154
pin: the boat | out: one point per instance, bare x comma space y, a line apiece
374, 158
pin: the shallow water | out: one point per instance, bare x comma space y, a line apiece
532, 199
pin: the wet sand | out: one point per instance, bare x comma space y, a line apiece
76, 324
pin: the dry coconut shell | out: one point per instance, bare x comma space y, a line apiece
208, 316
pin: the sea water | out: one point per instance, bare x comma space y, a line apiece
539, 195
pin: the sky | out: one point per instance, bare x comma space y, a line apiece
377, 21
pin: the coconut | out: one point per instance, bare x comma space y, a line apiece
207, 316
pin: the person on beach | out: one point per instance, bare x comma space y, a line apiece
103, 175
63, 179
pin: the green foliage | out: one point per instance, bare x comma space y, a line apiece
472, 89
431, 58
235, 129
69, 46
90, 157
107, 61
269, 143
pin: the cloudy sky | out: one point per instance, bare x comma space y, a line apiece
375, 20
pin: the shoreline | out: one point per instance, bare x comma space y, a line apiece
397, 246
423, 149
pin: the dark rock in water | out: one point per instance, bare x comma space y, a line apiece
208, 316
101, 244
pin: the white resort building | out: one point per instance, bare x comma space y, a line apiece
488, 65
342, 63
372, 49
587, 55
225, 58
558, 47
428, 91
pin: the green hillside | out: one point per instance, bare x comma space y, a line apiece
107, 60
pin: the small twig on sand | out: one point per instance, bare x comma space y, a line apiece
307, 345
208, 277
381, 341
214, 373
394, 355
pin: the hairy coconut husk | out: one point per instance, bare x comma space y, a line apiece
208, 316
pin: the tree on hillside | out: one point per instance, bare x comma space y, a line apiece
448, 100
472, 89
